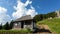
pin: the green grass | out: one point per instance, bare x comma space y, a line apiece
22, 31
54, 24
14, 31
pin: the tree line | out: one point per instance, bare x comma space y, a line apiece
40, 17
6, 26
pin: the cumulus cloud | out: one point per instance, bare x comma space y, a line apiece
21, 9
2, 10
31, 12
28, 2
4, 17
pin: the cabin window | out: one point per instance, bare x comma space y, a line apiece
28, 23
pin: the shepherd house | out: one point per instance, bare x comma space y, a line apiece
24, 22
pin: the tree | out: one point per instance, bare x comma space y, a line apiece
38, 17
6, 26
11, 24
52, 14
0, 26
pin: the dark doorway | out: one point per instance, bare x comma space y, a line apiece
22, 24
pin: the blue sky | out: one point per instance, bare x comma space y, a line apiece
45, 6
33, 7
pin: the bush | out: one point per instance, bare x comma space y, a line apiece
26, 30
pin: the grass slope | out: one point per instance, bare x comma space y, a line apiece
54, 24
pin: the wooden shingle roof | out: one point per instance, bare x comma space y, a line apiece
27, 17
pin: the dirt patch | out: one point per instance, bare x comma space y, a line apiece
42, 26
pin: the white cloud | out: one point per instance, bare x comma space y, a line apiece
2, 10
31, 12
4, 17
28, 2
21, 9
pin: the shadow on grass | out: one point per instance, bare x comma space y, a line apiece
41, 30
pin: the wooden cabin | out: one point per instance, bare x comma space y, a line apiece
24, 22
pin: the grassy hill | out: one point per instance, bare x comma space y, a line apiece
54, 24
